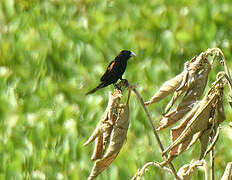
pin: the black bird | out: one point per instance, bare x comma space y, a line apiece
115, 70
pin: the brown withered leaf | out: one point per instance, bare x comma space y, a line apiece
203, 121
117, 138
196, 87
167, 88
212, 133
217, 116
220, 109
228, 172
198, 122
104, 128
204, 140
213, 138
176, 131
197, 70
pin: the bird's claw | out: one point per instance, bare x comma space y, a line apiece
116, 87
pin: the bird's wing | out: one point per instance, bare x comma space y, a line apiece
108, 70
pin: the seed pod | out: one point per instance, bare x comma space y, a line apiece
117, 139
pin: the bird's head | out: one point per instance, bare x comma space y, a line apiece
126, 54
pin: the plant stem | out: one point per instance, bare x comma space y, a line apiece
153, 128
212, 163
140, 173
227, 73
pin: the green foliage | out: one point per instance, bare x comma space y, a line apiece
53, 52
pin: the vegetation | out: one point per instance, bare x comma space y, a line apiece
52, 52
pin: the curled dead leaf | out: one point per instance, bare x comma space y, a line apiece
192, 95
167, 88
204, 140
214, 137
204, 119
195, 89
104, 128
117, 138
196, 122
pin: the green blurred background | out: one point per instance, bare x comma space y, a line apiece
52, 52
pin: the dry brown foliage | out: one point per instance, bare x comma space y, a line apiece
110, 133
192, 81
202, 121
201, 118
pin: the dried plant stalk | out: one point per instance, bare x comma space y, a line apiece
117, 136
214, 138
141, 172
186, 171
133, 88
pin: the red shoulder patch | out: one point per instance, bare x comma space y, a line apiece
111, 65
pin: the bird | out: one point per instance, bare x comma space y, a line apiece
115, 70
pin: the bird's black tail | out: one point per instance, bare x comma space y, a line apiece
95, 89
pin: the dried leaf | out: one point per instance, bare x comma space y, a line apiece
192, 95
197, 123
171, 118
176, 132
117, 139
167, 88
220, 110
204, 140
104, 128
202, 121
218, 116
98, 149
228, 172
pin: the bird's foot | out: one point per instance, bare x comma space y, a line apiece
116, 87
124, 82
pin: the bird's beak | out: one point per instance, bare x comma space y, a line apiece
132, 54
